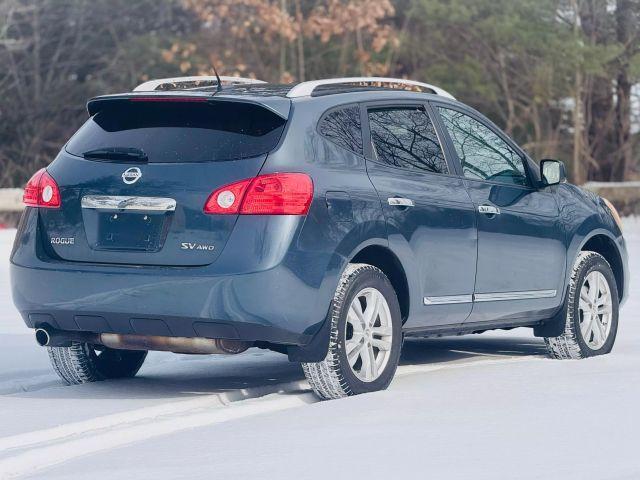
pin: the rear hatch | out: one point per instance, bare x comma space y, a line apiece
135, 178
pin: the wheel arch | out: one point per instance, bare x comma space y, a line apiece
604, 245
347, 251
383, 258
602, 242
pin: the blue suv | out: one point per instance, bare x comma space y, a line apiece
325, 220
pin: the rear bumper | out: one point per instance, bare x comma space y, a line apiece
285, 303
240, 307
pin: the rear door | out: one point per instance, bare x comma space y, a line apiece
135, 178
430, 217
521, 252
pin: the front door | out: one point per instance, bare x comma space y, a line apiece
430, 216
521, 252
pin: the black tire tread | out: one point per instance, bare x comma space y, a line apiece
325, 377
567, 346
78, 364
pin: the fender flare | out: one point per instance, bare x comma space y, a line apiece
554, 327
316, 350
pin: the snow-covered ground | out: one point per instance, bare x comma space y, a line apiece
488, 406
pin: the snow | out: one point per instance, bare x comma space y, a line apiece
483, 407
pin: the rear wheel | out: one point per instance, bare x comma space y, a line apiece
592, 311
365, 339
84, 363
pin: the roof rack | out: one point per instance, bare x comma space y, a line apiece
305, 89
152, 85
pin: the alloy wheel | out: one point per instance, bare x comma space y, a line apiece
368, 334
596, 310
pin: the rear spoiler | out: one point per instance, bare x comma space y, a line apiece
279, 105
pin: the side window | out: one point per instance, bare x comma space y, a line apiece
343, 127
405, 137
484, 155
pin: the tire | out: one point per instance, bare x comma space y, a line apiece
581, 337
337, 377
81, 363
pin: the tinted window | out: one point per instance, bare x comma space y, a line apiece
484, 155
182, 132
342, 126
406, 138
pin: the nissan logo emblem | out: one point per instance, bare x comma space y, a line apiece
131, 175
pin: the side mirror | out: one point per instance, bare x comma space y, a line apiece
552, 172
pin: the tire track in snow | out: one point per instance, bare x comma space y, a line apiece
31, 452
20, 385
34, 460
151, 413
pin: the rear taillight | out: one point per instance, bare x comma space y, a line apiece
271, 194
227, 199
41, 191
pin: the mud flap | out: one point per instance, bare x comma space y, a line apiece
554, 327
316, 350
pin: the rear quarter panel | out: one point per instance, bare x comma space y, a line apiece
329, 236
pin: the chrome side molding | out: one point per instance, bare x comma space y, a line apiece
529, 294
448, 299
489, 297
145, 204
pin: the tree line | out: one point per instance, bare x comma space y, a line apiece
558, 75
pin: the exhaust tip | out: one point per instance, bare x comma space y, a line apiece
42, 337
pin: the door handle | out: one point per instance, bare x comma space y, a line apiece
489, 210
400, 202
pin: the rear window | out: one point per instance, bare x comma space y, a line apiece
181, 131
342, 127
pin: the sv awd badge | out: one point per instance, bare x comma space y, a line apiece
196, 246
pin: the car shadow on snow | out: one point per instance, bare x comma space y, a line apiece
420, 351
257, 372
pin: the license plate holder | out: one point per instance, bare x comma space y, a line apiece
130, 231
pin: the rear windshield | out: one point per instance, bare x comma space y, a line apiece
181, 131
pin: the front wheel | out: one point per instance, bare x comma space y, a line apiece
365, 339
84, 363
592, 311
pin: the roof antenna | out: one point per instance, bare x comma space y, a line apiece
219, 87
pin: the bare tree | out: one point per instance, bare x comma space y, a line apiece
57, 53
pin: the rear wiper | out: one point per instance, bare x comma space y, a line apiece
125, 154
